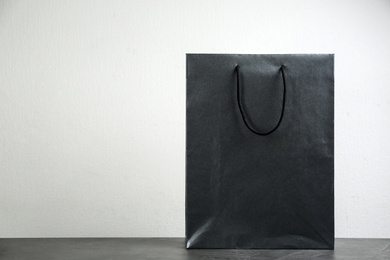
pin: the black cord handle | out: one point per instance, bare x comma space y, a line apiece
242, 110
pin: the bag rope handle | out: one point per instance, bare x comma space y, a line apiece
242, 110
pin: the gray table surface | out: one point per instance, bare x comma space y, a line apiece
173, 248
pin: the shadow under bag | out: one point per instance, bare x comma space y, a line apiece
260, 151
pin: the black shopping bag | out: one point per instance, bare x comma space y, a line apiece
260, 151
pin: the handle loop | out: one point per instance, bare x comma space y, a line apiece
242, 110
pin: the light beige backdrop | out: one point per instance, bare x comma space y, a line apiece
92, 107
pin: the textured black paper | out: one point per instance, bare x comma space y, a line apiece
249, 191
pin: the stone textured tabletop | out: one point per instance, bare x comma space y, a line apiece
174, 248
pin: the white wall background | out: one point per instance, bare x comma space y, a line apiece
92, 107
